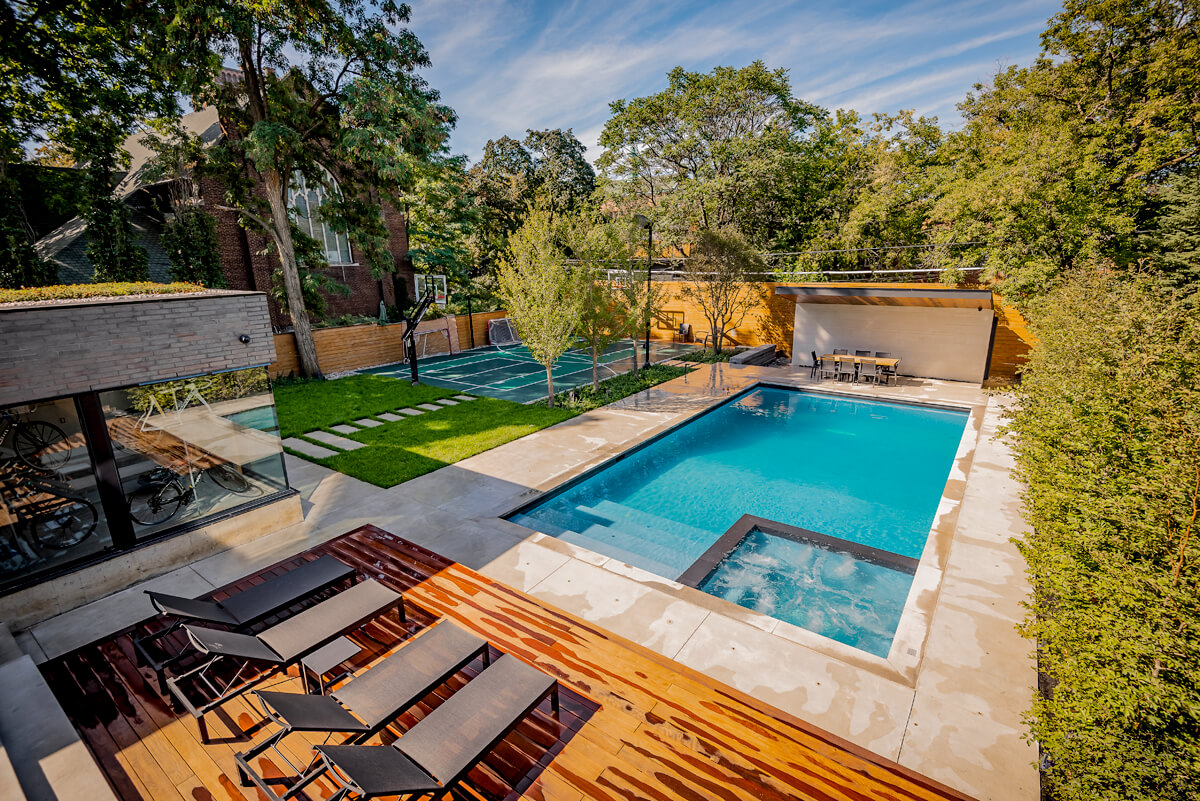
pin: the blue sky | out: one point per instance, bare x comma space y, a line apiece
508, 65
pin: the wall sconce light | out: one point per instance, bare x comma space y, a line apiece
244, 339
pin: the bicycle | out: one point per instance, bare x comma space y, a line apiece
48, 517
36, 443
166, 492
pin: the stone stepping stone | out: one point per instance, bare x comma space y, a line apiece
464, 398
448, 402
308, 448
391, 418
429, 407
409, 412
366, 422
335, 440
345, 429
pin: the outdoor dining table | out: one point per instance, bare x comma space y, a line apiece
858, 359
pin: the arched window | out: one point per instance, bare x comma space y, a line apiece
306, 201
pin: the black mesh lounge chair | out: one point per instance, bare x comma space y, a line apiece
241, 611
363, 706
277, 647
435, 754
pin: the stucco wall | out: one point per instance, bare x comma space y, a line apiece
70, 347
930, 342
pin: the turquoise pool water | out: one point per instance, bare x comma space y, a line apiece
866, 471
260, 417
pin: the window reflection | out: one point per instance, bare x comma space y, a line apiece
50, 510
193, 448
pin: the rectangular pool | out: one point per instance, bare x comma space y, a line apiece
855, 471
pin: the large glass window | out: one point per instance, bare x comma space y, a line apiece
306, 201
50, 510
189, 449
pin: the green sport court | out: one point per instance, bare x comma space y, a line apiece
510, 373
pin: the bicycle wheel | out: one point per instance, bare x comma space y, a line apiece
41, 445
152, 505
229, 478
71, 522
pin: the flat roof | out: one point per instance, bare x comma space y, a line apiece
947, 297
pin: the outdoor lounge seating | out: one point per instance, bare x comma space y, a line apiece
438, 751
242, 610
279, 646
364, 705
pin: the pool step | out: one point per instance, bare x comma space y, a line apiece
607, 548
626, 529
682, 531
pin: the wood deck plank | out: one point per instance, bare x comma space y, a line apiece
633, 724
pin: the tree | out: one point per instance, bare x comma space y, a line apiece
543, 296
1174, 238
190, 234
605, 318
717, 270
1056, 161
547, 166
714, 149
440, 218
327, 89
80, 75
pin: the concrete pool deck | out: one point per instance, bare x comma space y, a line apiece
951, 711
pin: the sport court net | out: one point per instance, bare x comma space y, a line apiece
511, 373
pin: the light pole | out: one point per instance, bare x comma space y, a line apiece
645, 222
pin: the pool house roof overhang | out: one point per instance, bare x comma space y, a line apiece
947, 297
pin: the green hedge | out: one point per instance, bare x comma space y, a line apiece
104, 290
1108, 444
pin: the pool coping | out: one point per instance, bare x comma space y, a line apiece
902, 664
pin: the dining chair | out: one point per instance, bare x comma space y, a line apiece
845, 367
862, 353
816, 365
868, 370
886, 372
840, 352
828, 368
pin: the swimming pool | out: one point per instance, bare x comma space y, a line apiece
259, 417
847, 470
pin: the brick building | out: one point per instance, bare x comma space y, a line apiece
243, 251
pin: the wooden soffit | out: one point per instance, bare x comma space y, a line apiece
948, 298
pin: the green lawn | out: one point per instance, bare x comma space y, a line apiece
404, 449
305, 406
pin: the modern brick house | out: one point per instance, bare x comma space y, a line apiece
244, 260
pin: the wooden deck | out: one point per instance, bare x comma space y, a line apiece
633, 723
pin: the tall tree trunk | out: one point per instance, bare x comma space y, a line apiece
595, 369
550, 385
306, 349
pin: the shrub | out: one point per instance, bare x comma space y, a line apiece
105, 290
1108, 445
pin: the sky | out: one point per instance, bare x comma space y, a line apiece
508, 65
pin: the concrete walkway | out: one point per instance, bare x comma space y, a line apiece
946, 703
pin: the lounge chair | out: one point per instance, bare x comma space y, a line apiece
364, 705
435, 754
242, 610
279, 646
